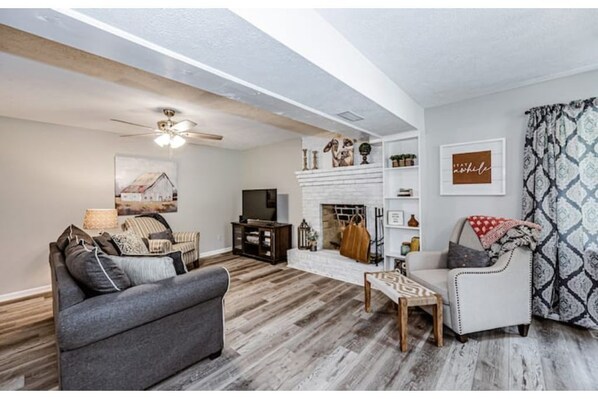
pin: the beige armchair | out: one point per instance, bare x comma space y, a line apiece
477, 299
186, 242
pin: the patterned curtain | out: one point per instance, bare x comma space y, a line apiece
560, 193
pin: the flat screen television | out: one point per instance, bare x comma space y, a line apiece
260, 204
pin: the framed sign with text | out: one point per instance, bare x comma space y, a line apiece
474, 168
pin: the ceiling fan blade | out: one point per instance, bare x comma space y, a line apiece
203, 136
139, 135
131, 123
183, 126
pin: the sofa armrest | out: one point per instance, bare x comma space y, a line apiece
425, 260
492, 297
159, 246
192, 236
103, 316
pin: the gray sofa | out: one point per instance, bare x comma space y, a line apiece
133, 339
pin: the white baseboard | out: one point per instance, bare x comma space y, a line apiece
22, 294
215, 252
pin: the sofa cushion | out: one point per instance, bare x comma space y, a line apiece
146, 269
107, 244
130, 243
162, 235
434, 279
184, 247
73, 233
93, 269
460, 256
106, 315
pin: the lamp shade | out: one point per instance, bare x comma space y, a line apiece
96, 219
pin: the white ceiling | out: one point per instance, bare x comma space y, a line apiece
40, 92
224, 41
440, 56
436, 56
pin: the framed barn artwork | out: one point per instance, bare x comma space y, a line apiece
473, 168
143, 185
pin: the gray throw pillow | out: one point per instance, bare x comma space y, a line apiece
106, 244
129, 243
460, 256
145, 269
163, 235
73, 233
94, 270
177, 260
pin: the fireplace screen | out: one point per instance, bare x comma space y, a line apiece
334, 219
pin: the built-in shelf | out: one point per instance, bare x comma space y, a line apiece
402, 167
395, 179
402, 227
401, 198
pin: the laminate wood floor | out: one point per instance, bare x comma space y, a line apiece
291, 330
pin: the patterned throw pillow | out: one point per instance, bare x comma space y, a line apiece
460, 256
129, 244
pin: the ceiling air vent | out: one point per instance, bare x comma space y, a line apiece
350, 116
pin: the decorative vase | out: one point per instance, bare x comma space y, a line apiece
313, 246
412, 221
405, 248
415, 244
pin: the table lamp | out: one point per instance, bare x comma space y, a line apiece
99, 220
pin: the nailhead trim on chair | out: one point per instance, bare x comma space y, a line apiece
465, 273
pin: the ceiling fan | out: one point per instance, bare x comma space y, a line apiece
171, 133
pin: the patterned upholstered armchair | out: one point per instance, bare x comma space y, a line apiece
186, 242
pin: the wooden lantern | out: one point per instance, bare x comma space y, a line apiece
302, 232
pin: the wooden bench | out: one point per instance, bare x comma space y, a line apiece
404, 292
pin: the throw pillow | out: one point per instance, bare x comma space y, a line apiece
461, 256
106, 244
177, 260
163, 235
73, 233
93, 269
129, 244
145, 269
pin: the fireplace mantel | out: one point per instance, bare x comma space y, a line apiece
339, 176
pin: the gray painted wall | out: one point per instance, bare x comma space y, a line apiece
52, 173
274, 166
492, 116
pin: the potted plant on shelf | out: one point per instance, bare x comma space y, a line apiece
312, 236
395, 160
402, 160
413, 159
409, 159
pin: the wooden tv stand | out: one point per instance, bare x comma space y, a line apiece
267, 241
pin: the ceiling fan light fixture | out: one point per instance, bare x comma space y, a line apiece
162, 140
176, 141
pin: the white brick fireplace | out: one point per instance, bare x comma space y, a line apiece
353, 185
